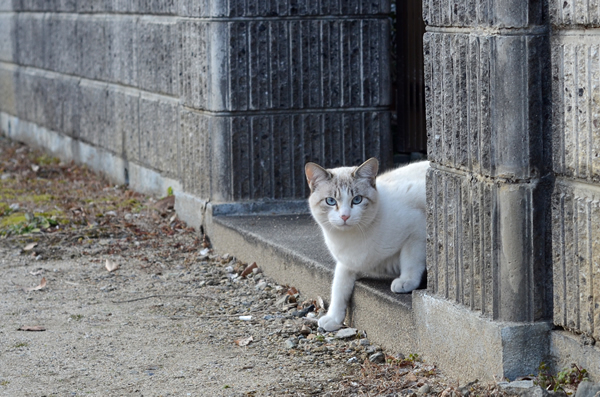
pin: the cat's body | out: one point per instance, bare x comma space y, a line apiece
373, 226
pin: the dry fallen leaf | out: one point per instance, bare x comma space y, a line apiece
248, 269
320, 303
165, 204
32, 328
111, 266
243, 341
30, 246
42, 285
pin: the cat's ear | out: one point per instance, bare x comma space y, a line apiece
315, 174
367, 170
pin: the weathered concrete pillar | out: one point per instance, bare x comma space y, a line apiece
487, 97
576, 200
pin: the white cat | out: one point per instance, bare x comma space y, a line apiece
373, 226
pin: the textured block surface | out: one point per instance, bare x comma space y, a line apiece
576, 256
499, 13
486, 244
8, 102
7, 31
484, 108
158, 120
295, 64
576, 107
157, 52
575, 12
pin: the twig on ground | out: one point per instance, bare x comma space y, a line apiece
166, 296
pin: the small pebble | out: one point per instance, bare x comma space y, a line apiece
352, 360
290, 344
423, 389
377, 358
260, 286
346, 333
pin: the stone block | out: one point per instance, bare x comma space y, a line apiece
123, 110
122, 120
28, 95
575, 253
66, 5
576, 107
194, 64
567, 348
35, 5
306, 64
94, 6
155, 7
121, 38
62, 55
487, 244
67, 100
493, 124
195, 133
8, 87
159, 129
574, 13
204, 82
6, 5
313, 8
469, 346
250, 158
92, 108
7, 36
500, 14
32, 36
91, 47
157, 51
262, 159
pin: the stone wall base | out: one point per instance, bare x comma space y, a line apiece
469, 346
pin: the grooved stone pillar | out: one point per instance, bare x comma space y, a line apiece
487, 97
576, 146
487, 115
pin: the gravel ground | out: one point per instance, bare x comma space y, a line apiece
173, 318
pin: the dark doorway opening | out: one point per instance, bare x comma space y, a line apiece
409, 133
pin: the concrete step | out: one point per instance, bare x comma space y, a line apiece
291, 250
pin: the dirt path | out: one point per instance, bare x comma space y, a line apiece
174, 318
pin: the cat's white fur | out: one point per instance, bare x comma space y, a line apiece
383, 235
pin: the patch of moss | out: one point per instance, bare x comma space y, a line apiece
44, 159
42, 198
13, 219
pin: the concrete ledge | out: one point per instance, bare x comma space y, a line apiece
291, 250
469, 346
567, 348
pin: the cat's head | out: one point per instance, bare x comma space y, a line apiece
343, 198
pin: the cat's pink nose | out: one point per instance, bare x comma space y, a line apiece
344, 217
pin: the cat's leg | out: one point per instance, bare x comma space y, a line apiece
341, 290
412, 267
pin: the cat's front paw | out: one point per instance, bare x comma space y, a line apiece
329, 323
403, 286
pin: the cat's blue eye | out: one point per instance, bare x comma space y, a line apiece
330, 201
357, 199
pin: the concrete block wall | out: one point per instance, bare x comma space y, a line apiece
227, 99
489, 143
576, 163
